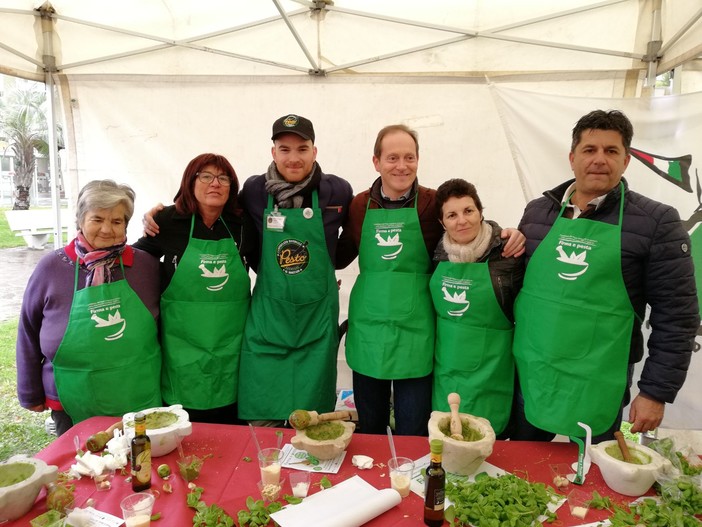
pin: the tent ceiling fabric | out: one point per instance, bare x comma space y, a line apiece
286, 37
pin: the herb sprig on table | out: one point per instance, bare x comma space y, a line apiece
494, 502
650, 513
680, 500
212, 516
258, 514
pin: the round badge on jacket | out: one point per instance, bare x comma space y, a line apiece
293, 256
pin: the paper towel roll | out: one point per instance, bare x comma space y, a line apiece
350, 503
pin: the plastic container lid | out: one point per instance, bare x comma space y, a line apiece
436, 446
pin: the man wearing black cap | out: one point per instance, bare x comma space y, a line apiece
288, 357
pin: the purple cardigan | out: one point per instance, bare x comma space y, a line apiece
47, 305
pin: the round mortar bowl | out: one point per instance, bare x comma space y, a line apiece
326, 448
462, 457
31, 475
627, 478
165, 438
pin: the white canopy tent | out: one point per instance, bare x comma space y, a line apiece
219, 72
142, 86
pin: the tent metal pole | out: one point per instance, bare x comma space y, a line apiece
49, 58
21, 55
53, 160
296, 35
654, 45
186, 43
559, 14
409, 51
65, 67
672, 40
453, 29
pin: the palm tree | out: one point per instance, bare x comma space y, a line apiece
23, 124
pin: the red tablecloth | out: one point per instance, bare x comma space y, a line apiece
228, 479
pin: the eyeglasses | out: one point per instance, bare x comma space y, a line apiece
208, 178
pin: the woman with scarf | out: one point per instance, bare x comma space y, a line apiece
203, 239
87, 341
473, 289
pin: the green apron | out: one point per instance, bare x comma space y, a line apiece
473, 353
109, 360
203, 311
291, 342
573, 327
391, 317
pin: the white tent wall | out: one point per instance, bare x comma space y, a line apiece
146, 132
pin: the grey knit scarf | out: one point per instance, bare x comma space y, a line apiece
290, 195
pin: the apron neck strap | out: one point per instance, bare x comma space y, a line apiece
75, 280
315, 200
192, 226
416, 199
621, 202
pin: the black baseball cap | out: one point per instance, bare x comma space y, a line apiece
293, 124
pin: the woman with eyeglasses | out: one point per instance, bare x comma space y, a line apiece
204, 239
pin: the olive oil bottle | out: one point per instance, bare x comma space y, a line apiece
434, 483
141, 455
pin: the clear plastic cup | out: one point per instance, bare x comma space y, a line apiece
300, 483
137, 508
189, 467
578, 502
401, 470
269, 462
103, 481
561, 475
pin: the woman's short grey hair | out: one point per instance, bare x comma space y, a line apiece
104, 194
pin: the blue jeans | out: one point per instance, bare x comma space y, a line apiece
412, 403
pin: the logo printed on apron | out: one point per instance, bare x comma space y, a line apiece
293, 256
571, 352
388, 236
575, 264
95, 375
202, 326
98, 310
457, 298
473, 347
392, 323
291, 332
219, 274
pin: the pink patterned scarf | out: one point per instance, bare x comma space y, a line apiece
98, 261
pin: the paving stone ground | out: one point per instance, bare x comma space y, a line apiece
16, 266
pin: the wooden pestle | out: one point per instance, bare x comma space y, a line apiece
454, 401
301, 419
97, 442
623, 446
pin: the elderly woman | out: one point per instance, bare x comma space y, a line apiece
87, 342
473, 289
203, 240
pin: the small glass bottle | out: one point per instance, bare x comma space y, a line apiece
434, 483
141, 455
